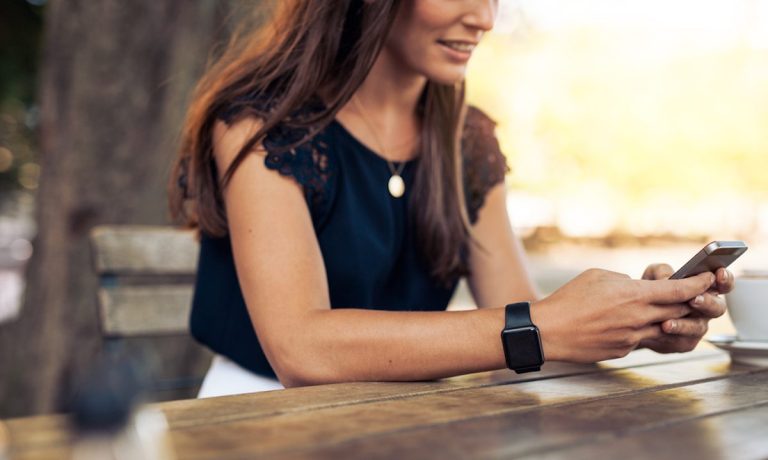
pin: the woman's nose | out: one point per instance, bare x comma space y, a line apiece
482, 14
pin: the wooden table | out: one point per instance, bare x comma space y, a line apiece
697, 405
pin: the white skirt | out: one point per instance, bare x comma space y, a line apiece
226, 377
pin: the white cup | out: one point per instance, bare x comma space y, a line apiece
748, 305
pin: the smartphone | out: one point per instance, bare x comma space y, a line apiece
716, 254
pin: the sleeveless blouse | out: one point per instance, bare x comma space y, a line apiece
365, 235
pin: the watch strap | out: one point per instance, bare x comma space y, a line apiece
517, 315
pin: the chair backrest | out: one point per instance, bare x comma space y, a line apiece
146, 281
146, 276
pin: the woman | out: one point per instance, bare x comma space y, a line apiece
342, 188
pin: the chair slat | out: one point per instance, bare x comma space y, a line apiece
145, 310
145, 250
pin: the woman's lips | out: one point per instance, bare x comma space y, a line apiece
457, 49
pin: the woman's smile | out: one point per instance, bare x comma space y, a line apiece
458, 50
455, 26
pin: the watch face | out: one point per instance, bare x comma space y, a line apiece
522, 347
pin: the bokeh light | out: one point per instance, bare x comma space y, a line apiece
29, 175
644, 118
6, 159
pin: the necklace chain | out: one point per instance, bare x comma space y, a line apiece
396, 168
396, 185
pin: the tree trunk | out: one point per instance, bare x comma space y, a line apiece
116, 77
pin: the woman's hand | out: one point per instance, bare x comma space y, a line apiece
683, 334
603, 315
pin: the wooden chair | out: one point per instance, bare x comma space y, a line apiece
146, 276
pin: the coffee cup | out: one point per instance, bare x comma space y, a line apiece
748, 305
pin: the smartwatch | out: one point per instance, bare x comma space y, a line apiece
520, 339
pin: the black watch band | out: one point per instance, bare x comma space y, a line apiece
521, 340
517, 315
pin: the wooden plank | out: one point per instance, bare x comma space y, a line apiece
731, 435
47, 433
47, 453
555, 430
231, 408
4, 441
52, 430
124, 249
35, 432
145, 310
283, 433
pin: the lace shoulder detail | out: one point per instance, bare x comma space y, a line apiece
308, 161
292, 150
484, 164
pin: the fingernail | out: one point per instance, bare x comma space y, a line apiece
672, 326
724, 277
698, 300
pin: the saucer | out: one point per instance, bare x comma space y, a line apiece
752, 353
754, 273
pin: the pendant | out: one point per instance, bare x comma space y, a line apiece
396, 186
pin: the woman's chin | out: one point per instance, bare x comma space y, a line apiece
448, 76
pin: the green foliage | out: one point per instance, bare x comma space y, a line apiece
20, 36
20, 32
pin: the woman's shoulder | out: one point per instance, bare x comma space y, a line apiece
479, 133
485, 166
291, 146
477, 122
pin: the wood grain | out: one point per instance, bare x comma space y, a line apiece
566, 408
4, 441
145, 310
128, 249
146, 276
187, 413
740, 434
52, 430
555, 429
345, 423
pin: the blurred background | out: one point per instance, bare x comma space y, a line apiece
637, 131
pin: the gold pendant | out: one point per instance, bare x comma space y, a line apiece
396, 186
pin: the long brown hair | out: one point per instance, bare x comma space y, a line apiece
305, 49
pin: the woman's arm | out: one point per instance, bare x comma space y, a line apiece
497, 262
283, 279
282, 276
500, 276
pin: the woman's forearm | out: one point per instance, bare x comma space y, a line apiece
343, 345
598, 315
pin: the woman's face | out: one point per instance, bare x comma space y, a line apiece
435, 38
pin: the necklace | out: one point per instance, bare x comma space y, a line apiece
396, 184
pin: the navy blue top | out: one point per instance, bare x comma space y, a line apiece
366, 239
